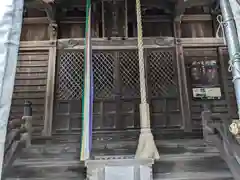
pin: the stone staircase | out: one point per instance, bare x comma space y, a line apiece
187, 159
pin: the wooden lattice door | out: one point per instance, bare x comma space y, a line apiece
117, 90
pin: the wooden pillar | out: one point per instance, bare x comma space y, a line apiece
224, 79
49, 98
182, 80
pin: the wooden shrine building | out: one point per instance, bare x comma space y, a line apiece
186, 61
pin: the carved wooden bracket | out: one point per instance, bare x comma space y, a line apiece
50, 10
43, 5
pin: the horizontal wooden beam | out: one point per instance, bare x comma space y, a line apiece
44, 20
196, 17
202, 42
79, 20
35, 20
35, 45
131, 43
118, 44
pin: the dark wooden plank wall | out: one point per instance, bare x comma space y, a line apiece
72, 29
223, 52
35, 26
31, 75
217, 106
30, 84
207, 28
34, 32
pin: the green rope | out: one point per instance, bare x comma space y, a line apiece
84, 154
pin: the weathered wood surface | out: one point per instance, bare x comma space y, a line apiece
19, 135
227, 104
229, 86
35, 29
131, 43
180, 160
30, 84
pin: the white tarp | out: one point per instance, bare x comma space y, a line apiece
235, 5
10, 29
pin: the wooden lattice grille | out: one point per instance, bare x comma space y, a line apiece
129, 74
70, 75
117, 89
103, 73
162, 73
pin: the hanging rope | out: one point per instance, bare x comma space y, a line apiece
87, 99
236, 56
146, 146
220, 28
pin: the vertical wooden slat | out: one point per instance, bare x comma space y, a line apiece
224, 79
103, 19
182, 81
101, 123
126, 17
117, 91
49, 101
215, 26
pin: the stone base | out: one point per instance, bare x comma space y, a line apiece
119, 169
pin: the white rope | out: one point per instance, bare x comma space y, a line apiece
141, 53
237, 55
220, 28
146, 146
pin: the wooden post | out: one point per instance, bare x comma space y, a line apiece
27, 117
48, 115
224, 78
182, 80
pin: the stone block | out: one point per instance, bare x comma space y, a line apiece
119, 169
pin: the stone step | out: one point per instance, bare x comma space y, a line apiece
117, 148
179, 160
222, 175
181, 163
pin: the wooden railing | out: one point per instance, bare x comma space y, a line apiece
19, 135
216, 133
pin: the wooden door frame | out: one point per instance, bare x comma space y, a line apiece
224, 77
182, 79
50, 88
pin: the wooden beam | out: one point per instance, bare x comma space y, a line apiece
202, 42
49, 98
182, 80
179, 9
35, 45
131, 43
115, 43
196, 17
35, 20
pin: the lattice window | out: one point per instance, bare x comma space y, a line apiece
162, 73
70, 75
103, 67
129, 73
